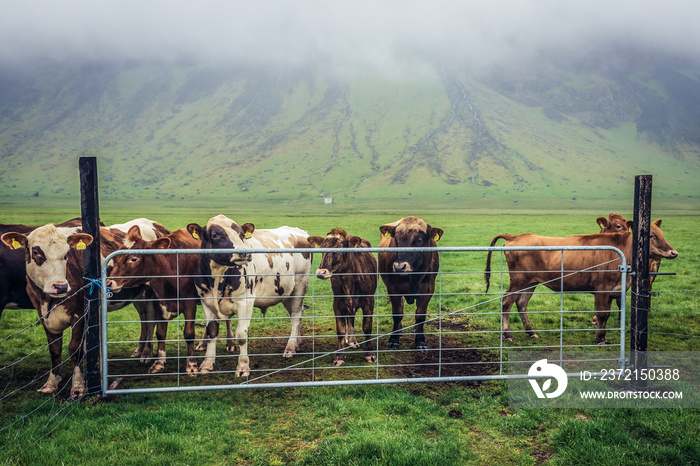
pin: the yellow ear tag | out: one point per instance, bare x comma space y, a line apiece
195, 235
248, 235
16, 244
80, 246
387, 234
436, 237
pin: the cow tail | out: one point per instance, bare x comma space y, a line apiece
487, 272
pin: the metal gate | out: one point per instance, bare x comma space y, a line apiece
463, 329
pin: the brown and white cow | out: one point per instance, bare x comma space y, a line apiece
409, 275
13, 271
353, 278
169, 277
527, 269
233, 283
54, 265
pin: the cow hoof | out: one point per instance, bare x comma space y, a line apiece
206, 367
288, 353
231, 348
371, 358
191, 368
338, 361
392, 345
602, 343
423, 348
135, 354
242, 370
534, 335
48, 389
509, 339
156, 367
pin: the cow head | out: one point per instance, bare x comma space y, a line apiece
47, 252
128, 270
335, 262
615, 223
410, 232
223, 233
659, 248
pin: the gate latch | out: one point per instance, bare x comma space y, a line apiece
627, 269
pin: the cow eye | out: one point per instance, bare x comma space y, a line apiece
214, 236
133, 259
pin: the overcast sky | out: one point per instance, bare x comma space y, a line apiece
342, 33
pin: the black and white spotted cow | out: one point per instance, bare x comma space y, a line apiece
232, 284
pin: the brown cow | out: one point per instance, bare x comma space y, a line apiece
54, 266
409, 274
170, 277
527, 269
354, 281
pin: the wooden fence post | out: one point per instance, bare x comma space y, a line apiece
640, 280
90, 210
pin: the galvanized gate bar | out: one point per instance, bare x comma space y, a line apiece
247, 384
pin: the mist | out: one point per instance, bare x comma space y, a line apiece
344, 35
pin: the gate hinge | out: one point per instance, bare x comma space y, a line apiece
627, 268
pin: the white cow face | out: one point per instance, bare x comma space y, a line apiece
223, 233
46, 254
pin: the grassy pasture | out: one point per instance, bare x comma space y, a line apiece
392, 424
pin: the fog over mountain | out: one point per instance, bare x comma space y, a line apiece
389, 35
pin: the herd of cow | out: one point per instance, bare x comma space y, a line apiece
41, 267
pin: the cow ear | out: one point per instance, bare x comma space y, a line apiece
14, 240
315, 241
354, 241
194, 230
436, 233
602, 222
658, 223
630, 224
80, 241
388, 230
134, 234
162, 243
248, 229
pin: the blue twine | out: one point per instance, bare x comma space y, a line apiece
94, 282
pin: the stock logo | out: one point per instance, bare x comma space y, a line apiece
542, 367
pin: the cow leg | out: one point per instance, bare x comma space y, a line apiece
603, 302
76, 351
241, 335
230, 342
341, 331
55, 346
188, 334
210, 334
421, 311
506, 304
397, 314
521, 303
162, 333
295, 307
144, 350
367, 311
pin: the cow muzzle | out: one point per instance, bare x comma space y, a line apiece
402, 268
323, 274
58, 290
113, 286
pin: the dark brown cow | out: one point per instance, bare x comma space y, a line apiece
527, 269
170, 277
409, 274
354, 281
54, 264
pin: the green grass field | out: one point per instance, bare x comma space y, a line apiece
445, 423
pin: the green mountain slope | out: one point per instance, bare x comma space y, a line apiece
556, 131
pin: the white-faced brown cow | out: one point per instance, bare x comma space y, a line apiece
353, 281
13, 271
169, 277
232, 284
54, 264
409, 275
527, 269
